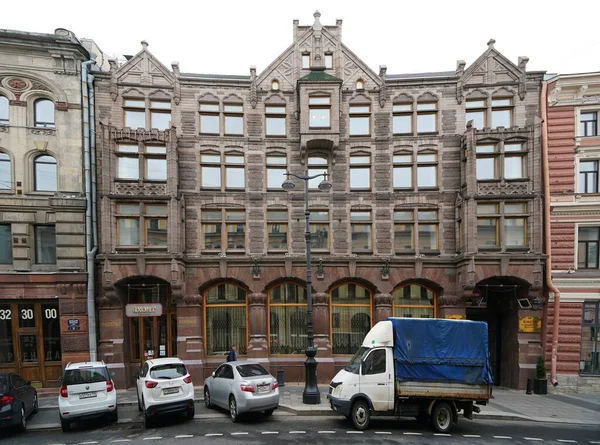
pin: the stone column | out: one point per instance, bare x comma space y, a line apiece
383, 307
258, 346
451, 306
111, 341
190, 346
322, 338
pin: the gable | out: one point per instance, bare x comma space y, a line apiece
281, 69
491, 68
144, 69
355, 69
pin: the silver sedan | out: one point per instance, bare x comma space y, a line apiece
242, 387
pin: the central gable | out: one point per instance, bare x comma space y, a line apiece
144, 69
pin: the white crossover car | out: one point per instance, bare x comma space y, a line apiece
164, 386
242, 387
87, 392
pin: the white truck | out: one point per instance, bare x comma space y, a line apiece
431, 369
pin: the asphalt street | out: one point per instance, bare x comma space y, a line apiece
217, 429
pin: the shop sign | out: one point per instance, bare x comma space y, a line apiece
530, 324
73, 324
144, 310
455, 317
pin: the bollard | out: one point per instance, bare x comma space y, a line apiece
529, 383
280, 378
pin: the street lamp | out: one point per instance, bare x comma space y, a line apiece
311, 394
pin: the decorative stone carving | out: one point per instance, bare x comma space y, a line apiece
253, 95
503, 188
523, 76
17, 84
4, 128
385, 269
43, 131
129, 188
383, 306
383, 92
450, 300
192, 300
320, 299
257, 299
62, 288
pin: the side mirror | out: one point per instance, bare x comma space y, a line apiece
136, 375
213, 373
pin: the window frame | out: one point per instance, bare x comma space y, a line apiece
271, 115
427, 112
317, 223
36, 162
501, 108
224, 166
358, 221
134, 109
357, 114
4, 104
585, 183
154, 109
396, 297
314, 168
142, 216
500, 155
397, 111
587, 243
583, 125
37, 244
6, 161
270, 165
361, 166
338, 303
273, 219
43, 124
210, 113
7, 249
315, 106
223, 232
427, 164
477, 109
285, 305
228, 112
142, 154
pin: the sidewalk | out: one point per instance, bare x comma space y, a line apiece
507, 404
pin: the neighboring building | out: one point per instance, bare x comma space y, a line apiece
574, 158
427, 217
42, 205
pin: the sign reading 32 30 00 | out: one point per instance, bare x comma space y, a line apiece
144, 310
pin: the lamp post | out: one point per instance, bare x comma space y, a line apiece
311, 394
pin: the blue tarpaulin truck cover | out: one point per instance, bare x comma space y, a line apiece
438, 350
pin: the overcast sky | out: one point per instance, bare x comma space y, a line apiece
227, 36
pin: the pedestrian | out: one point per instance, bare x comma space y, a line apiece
232, 356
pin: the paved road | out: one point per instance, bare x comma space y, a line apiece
218, 429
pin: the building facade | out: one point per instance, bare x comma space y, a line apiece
435, 210
574, 156
43, 311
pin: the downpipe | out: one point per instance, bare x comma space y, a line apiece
547, 237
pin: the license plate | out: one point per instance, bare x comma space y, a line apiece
87, 395
263, 388
170, 390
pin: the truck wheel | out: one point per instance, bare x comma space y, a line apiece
361, 415
441, 417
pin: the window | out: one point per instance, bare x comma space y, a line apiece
230, 171
5, 172
588, 246
317, 164
287, 319
360, 84
160, 114
487, 162
514, 161
428, 229
360, 118
427, 117
404, 223
588, 177
515, 224
45, 244
155, 224
426, 170
402, 118
6, 256
488, 216
590, 339
43, 113
328, 61
416, 228
231, 234
226, 315
494, 161
275, 85
319, 108
502, 112
476, 112
350, 317
152, 162
276, 168
209, 118
234, 119
360, 172
275, 120
319, 229
135, 113
4, 111
361, 231
588, 123
277, 229
414, 301
45, 174
374, 363
306, 61
403, 165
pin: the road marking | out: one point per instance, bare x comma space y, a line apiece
383, 432
270, 432
471, 435
413, 434
152, 438
326, 432
184, 436
237, 434
502, 437
442, 434
297, 432
213, 434
120, 440
566, 440
594, 441
354, 432
535, 438
88, 443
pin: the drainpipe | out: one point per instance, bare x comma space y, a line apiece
547, 235
90, 238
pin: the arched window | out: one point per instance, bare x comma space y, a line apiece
225, 315
414, 300
43, 114
45, 174
287, 319
275, 85
360, 84
350, 317
4, 113
5, 172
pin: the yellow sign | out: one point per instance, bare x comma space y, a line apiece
530, 324
455, 317
186, 321
111, 324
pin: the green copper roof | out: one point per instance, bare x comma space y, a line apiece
319, 76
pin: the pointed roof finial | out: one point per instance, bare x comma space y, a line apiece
317, 25
490, 43
144, 45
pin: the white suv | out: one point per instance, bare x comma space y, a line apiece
87, 391
164, 386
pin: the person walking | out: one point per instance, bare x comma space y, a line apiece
232, 356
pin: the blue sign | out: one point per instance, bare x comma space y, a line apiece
73, 324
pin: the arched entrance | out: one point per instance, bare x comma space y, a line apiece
495, 301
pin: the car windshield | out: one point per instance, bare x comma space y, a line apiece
252, 370
3, 385
85, 375
354, 365
168, 371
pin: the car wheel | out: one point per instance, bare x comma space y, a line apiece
441, 417
114, 417
233, 412
269, 412
36, 405
65, 425
207, 401
147, 421
361, 415
191, 412
23, 420
138, 400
